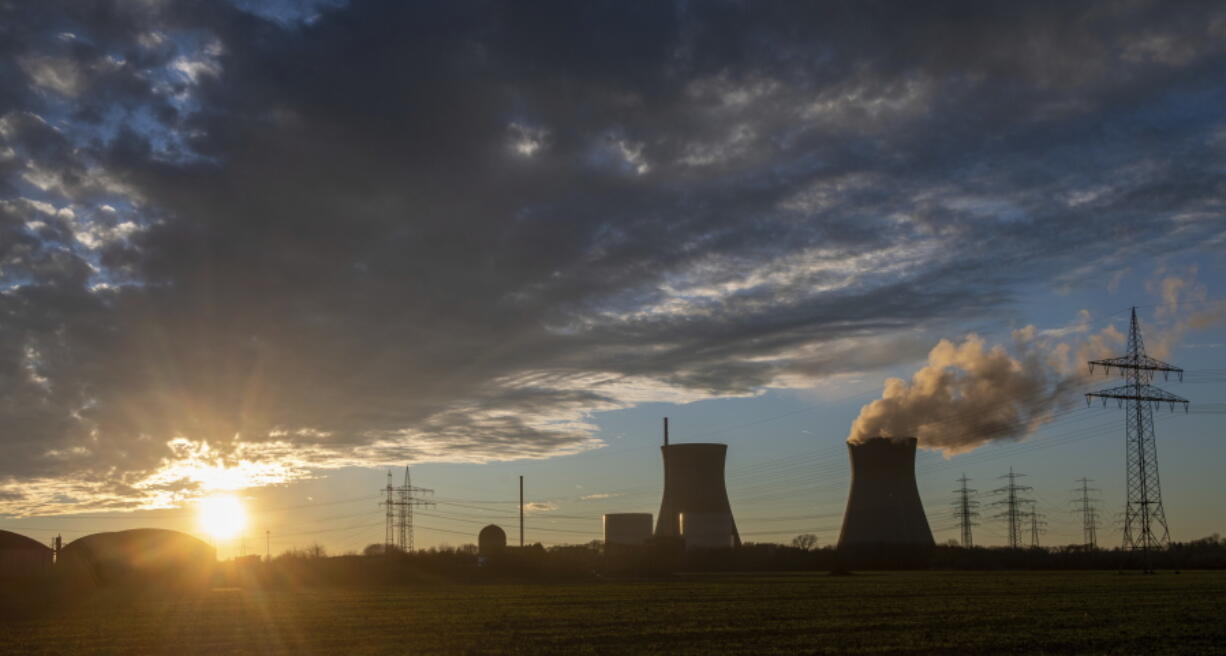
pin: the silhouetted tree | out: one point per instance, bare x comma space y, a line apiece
805, 541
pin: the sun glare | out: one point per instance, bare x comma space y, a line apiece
222, 517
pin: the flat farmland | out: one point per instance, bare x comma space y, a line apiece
871, 613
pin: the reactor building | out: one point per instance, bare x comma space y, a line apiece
491, 540
884, 524
695, 504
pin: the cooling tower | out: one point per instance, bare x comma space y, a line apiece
627, 528
694, 483
707, 530
884, 525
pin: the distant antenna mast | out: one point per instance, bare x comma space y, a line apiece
1144, 519
1012, 502
389, 527
965, 510
521, 511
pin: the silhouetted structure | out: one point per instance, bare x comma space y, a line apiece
149, 555
491, 540
694, 484
627, 528
21, 556
885, 524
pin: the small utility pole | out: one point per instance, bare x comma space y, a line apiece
521, 511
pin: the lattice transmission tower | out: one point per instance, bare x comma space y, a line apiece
1037, 525
409, 499
1084, 504
966, 510
1144, 519
1014, 504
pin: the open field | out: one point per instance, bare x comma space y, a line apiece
925, 612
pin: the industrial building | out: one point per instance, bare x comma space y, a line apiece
21, 556
884, 524
694, 485
149, 555
630, 529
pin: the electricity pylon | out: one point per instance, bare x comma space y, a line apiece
1089, 514
1144, 519
409, 499
400, 502
1013, 512
965, 510
1036, 524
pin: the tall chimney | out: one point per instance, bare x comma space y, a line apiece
884, 525
666, 431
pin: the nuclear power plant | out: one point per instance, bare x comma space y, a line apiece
695, 505
884, 524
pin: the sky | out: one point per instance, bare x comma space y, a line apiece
276, 249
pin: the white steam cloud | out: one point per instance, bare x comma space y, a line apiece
969, 394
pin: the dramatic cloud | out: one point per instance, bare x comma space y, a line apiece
310, 235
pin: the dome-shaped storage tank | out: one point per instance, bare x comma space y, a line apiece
884, 524
146, 555
707, 530
491, 540
21, 556
627, 528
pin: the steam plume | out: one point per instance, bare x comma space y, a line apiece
968, 395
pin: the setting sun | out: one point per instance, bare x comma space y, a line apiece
222, 517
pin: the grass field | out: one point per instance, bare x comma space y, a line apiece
928, 612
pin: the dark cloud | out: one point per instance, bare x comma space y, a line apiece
380, 231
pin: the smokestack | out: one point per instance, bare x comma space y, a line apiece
694, 486
666, 431
884, 525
